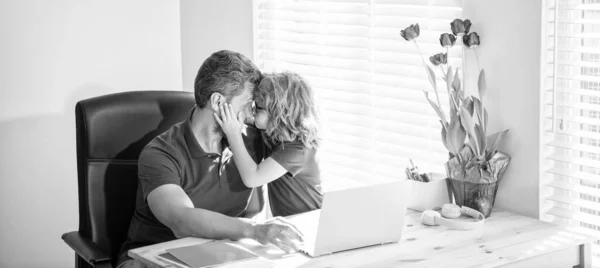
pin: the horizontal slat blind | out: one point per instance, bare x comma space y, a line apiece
571, 183
368, 79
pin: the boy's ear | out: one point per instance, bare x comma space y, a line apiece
216, 100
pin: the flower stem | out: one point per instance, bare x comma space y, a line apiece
420, 54
482, 112
477, 57
447, 60
443, 72
446, 76
464, 64
455, 102
425, 64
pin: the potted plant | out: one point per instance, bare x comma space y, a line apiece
475, 166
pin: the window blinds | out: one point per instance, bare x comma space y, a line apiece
571, 181
368, 79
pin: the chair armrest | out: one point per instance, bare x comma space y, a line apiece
86, 249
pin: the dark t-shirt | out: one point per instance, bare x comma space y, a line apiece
299, 190
211, 180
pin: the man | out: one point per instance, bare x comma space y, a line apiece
188, 182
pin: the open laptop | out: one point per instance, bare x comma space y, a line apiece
354, 218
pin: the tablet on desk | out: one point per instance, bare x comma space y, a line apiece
174, 261
211, 254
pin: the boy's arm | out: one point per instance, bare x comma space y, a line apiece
257, 149
253, 175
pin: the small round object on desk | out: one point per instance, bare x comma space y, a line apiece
450, 211
428, 217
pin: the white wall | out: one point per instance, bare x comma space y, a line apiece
510, 54
210, 26
52, 54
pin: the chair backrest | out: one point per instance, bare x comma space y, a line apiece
111, 132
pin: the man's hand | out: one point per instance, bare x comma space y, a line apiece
229, 122
280, 233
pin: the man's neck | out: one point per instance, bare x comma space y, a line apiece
203, 126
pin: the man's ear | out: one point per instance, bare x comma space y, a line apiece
216, 100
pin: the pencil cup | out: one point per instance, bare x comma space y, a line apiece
429, 195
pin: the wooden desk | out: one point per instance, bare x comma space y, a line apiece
507, 240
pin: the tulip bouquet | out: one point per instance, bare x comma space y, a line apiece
475, 165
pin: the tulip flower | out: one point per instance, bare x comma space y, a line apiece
460, 27
471, 40
447, 40
411, 32
440, 58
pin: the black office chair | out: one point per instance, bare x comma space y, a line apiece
111, 132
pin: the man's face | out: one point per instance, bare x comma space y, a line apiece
243, 103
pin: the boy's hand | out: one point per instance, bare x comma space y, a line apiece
231, 124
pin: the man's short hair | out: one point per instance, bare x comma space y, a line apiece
225, 72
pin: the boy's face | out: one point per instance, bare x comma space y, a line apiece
261, 117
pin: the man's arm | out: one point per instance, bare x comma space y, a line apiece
171, 206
